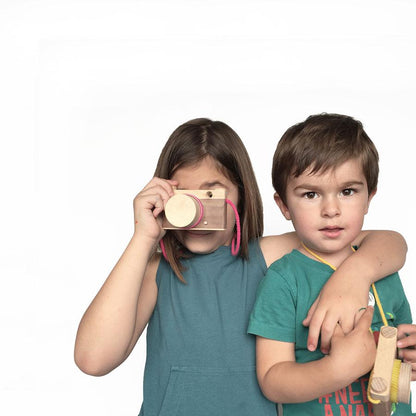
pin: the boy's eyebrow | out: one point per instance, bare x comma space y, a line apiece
352, 183
347, 184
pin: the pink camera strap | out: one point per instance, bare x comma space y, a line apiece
235, 243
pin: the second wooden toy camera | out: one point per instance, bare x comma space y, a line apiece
196, 210
390, 378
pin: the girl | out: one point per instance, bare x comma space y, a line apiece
196, 302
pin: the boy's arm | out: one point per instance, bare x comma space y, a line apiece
381, 253
283, 380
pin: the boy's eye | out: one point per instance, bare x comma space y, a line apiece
347, 192
310, 195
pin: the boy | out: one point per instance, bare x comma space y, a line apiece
325, 173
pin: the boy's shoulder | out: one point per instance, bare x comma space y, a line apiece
283, 261
293, 260
297, 272
288, 269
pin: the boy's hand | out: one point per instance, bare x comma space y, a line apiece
338, 302
354, 353
406, 335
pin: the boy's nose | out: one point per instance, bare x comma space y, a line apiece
330, 207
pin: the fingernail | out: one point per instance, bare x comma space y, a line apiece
311, 347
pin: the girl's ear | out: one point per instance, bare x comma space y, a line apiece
282, 206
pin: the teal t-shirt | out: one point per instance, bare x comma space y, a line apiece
284, 297
200, 359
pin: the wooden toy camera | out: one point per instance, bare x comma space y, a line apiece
390, 378
196, 210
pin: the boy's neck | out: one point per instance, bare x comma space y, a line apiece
333, 260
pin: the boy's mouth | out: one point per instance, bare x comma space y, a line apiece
331, 231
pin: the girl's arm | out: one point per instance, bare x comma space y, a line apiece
276, 246
115, 318
283, 380
406, 335
381, 253
120, 311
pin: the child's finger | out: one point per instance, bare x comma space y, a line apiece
409, 355
312, 309
157, 195
166, 184
364, 323
358, 315
338, 332
314, 330
329, 326
406, 341
406, 335
405, 330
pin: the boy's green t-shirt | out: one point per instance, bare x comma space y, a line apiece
284, 297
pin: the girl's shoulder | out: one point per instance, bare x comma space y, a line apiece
276, 246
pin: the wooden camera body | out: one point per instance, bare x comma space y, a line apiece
390, 378
196, 210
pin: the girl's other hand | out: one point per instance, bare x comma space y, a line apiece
406, 335
148, 204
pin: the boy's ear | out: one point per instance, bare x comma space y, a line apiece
370, 197
282, 206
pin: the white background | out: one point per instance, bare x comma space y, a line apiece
89, 93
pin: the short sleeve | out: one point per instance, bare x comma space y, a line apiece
274, 312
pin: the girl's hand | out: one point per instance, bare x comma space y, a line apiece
148, 204
406, 335
334, 305
354, 353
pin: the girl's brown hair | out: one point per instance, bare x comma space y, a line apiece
189, 144
322, 142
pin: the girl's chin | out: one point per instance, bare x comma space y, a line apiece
202, 242
196, 233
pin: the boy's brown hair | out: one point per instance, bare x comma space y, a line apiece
322, 142
189, 144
